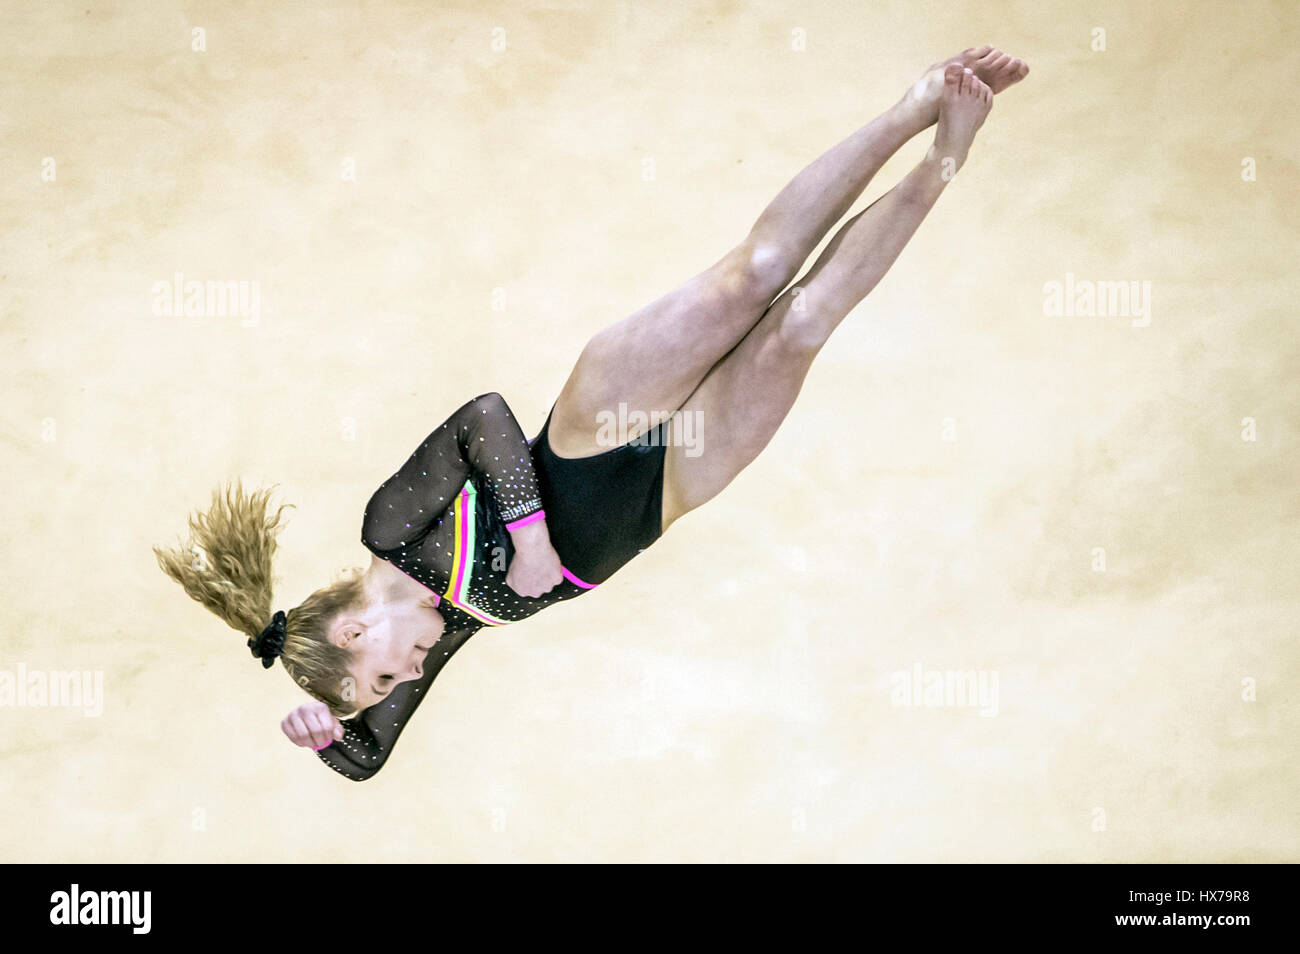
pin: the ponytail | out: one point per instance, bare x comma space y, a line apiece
225, 564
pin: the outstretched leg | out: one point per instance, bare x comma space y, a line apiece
746, 395
655, 358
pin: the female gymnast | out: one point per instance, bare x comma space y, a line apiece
481, 527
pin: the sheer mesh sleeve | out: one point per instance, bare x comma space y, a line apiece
368, 739
481, 436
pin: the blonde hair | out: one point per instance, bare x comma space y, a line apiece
225, 564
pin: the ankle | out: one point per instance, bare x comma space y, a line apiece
930, 176
907, 117
944, 165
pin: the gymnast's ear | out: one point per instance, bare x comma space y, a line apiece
345, 630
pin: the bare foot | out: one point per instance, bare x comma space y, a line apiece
963, 106
997, 70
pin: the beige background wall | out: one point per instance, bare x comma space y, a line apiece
728, 696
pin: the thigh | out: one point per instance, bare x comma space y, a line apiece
652, 360
734, 412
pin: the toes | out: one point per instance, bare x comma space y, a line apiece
952, 75
968, 81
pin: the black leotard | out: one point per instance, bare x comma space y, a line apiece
602, 510
445, 518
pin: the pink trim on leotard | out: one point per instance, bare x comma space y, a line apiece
525, 521
568, 575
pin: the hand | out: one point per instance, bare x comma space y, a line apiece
535, 570
312, 725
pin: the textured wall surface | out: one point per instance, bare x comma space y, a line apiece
1095, 514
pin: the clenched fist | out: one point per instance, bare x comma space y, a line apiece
534, 572
535, 569
312, 725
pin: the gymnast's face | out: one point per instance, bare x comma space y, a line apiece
389, 643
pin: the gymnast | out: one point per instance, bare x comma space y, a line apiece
482, 527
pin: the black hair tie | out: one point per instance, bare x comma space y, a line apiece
269, 643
